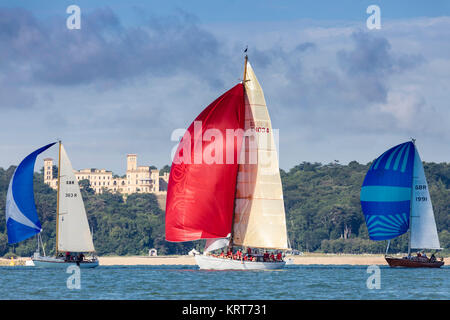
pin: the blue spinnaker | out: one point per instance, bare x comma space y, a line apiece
386, 193
22, 221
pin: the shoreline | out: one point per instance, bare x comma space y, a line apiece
306, 259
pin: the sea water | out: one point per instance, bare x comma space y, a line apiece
168, 282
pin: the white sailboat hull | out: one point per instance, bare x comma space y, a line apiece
213, 263
53, 262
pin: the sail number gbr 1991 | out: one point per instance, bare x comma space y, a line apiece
421, 187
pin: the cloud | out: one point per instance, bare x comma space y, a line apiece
305, 46
112, 88
13, 97
403, 106
371, 62
353, 90
103, 50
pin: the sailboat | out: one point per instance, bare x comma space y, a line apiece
236, 198
395, 200
72, 227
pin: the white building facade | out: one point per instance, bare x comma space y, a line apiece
138, 179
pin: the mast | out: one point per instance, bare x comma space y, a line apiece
230, 245
387, 248
410, 203
37, 238
42, 244
57, 196
245, 68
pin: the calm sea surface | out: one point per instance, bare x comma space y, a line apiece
187, 282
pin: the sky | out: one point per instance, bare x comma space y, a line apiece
138, 70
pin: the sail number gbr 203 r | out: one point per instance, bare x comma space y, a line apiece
70, 194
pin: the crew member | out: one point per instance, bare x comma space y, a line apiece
279, 256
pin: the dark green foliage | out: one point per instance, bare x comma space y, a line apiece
119, 227
164, 169
128, 227
323, 210
323, 214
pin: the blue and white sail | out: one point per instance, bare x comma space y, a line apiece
22, 221
386, 193
423, 225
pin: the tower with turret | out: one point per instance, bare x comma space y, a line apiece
131, 162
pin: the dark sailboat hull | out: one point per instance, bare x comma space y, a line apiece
409, 263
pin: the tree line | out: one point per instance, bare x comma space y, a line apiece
323, 210
323, 214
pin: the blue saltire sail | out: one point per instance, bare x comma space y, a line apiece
386, 192
22, 221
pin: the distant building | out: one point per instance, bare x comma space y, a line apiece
138, 179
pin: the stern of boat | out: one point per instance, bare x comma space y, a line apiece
213, 263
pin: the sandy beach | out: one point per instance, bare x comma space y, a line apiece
307, 259
301, 260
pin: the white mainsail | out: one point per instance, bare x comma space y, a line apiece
73, 227
423, 226
259, 217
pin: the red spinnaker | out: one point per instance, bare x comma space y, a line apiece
200, 195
